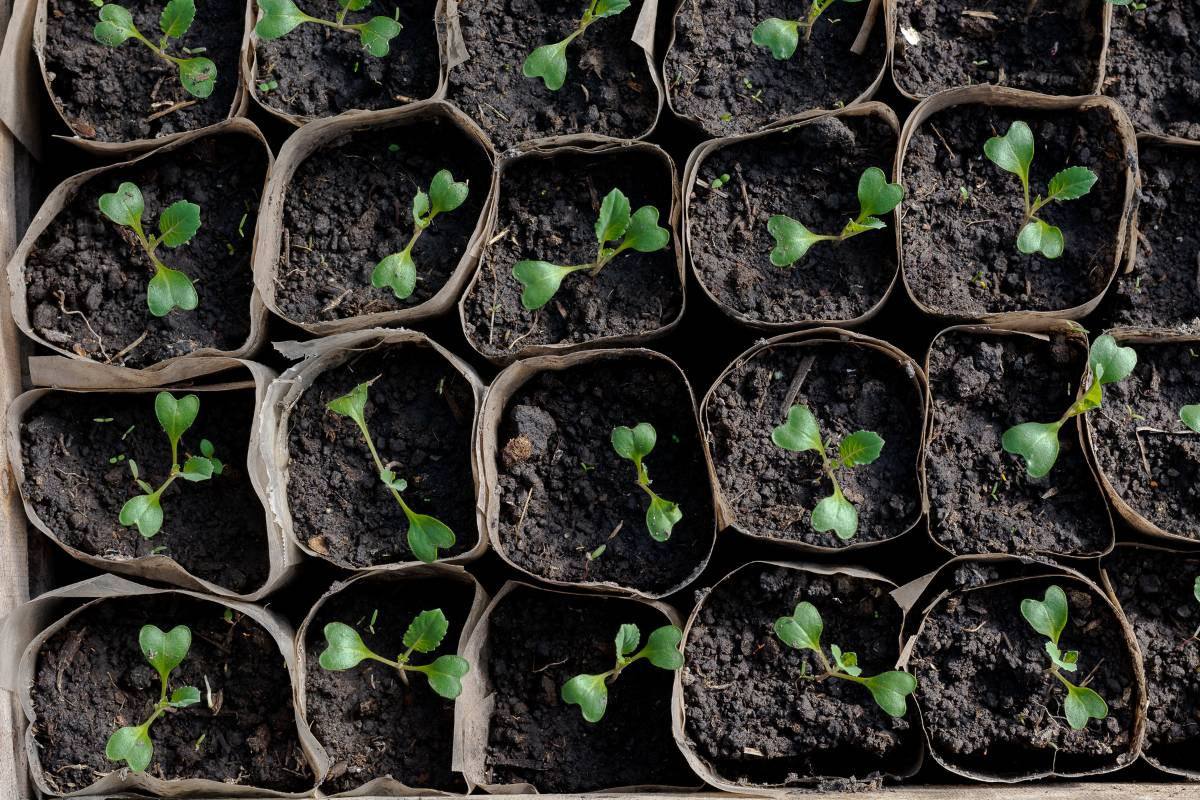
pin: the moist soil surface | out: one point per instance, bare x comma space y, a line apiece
86, 276
547, 211
726, 84
118, 94
539, 642
322, 72
349, 205
1151, 459
564, 491
749, 715
214, 529
420, 415
370, 721
960, 255
811, 175
608, 91
1055, 49
772, 491
981, 498
91, 678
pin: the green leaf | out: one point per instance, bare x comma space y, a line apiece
541, 280
426, 534
354, 5
426, 631
176, 415
377, 33
614, 217
644, 234
165, 651
875, 194
609, 8
198, 76
176, 17
1037, 236
420, 209
1047, 616
206, 448
792, 240
590, 693
344, 648
628, 639
662, 648
856, 226
1012, 152
636, 442
548, 62
279, 18
390, 480
131, 745
890, 690
179, 223
1071, 184
1036, 442
1190, 416
1083, 704
1109, 361
802, 630
115, 26
661, 517
846, 662
125, 205
800, 433
445, 675
780, 36
447, 194
185, 696
397, 271
197, 468
353, 404
836, 513
145, 512
170, 289
1064, 661
860, 447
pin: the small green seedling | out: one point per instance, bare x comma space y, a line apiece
1013, 152
782, 36
590, 692
1134, 5
802, 630
635, 444
281, 17
398, 270
1196, 593
719, 181
175, 416
165, 652
549, 62
425, 533
1049, 617
875, 196
1037, 442
1190, 416
345, 650
800, 434
639, 231
198, 75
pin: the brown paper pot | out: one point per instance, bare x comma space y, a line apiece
384, 593
273, 256
958, 274
788, 520
537, 450
330, 353
557, 327
752, 770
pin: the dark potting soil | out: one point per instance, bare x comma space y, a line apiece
717, 76
91, 678
748, 713
960, 255
321, 72
609, 90
113, 94
215, 529
86, 276
370, 721
564, 491
810, 174
1053, 49
1151, 459
349, 205
981, 498
547, 210
539, 642
420, 416
848, 388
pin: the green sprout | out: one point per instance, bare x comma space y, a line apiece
165, 652
1013, 152
800, 434
549, 62
1037, 442
1049, 617
198, 75
719, 181
281, 17
175, 416
590, 692
1190, 416
641, 232
1131, 3
345, 649
425, 533
398, 270
635, 444
875, 196
782, 36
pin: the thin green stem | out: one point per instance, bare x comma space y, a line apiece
818, 8
380, 467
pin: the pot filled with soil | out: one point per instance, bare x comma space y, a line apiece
374, 218
557, 203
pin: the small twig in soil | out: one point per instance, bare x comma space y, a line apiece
127, 349
182, 104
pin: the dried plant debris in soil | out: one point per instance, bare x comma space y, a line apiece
92, 678
420, 412
962, 212
349, 205
76, 451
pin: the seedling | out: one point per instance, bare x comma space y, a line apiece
198, 75
425, 533
782, 36
1049, 617
635, 444
590, 692
549, 62
1135, 6
1013, 152
800, 434
1196, 593
719, 181
398, 270
875, 196
281, 17
175, 416
1037, 442
640, 232
802, 631
1190, 416
165, 652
